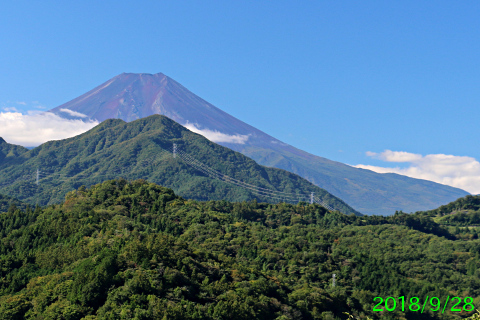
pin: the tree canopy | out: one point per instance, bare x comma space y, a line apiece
135, 250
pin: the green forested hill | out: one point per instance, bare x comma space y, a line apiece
137, 150
463, 212
466, 203
9, 151
6, 202
135, 250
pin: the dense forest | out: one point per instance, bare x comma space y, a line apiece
141, 150
135, 250
6, 203
460, 217
462, 212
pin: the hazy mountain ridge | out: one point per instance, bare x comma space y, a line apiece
130, 96
136, 150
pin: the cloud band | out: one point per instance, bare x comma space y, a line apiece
34, 129
457, 171
216, 136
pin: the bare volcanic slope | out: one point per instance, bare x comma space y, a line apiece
131, 96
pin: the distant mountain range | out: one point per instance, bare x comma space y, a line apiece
200, 170
130, 96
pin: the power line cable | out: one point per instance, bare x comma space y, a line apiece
225, 178
210, 172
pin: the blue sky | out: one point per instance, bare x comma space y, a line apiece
346, 80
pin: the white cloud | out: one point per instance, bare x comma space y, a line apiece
33, 129
217, 136
456, 171
395, 156
10, 109
74, 113
22, 103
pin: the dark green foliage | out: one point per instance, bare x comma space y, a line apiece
136, 150
135, 250
9, 203
461, 212
463, 218
466, 203
10, 151
420, 223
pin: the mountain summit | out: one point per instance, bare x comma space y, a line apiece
131, 96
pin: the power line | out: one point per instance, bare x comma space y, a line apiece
323, 204
227, 178
218, 175
261, 191
207, 170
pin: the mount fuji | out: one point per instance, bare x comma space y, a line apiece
131, 96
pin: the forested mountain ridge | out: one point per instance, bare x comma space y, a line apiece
135, 250
8, 150
131, 96
466, 203
138, 150
6, 203
461, 212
